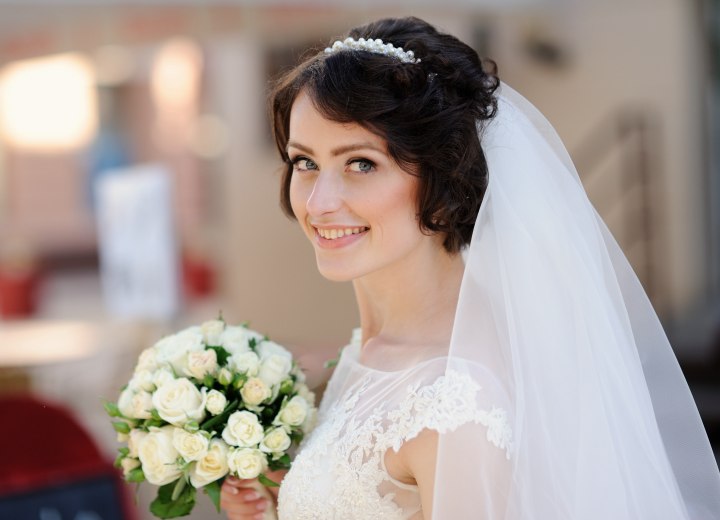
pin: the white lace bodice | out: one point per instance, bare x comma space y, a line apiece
339, 472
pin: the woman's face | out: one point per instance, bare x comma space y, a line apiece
354, 203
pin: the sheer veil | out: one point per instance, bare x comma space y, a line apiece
555, 326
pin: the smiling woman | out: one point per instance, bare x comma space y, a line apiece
504, 383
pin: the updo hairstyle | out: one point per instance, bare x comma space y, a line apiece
427, 112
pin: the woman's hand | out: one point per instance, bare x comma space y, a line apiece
242, 502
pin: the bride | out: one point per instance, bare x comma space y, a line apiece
508, 363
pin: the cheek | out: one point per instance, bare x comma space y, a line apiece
298, 199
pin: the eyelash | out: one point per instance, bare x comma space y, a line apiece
294, 161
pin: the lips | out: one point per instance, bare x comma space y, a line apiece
329, 237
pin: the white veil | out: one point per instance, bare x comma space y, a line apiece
604, 425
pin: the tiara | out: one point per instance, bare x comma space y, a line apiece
376, 46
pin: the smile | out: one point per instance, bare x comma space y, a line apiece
335, 233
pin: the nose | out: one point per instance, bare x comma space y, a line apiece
326, 195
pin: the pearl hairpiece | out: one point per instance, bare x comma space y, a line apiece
376, 46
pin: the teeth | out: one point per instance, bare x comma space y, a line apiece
332, 234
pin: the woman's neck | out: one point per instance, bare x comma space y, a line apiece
412, 302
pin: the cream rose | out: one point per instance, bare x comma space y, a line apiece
247, 463
235, 339
162, 376
245, 362
255, 391
274, 368
276, 441
212, 331
304, 392
124, 403
191, 446
147, 360
135, 438
201, 363
243, 429
142, 405
158, 456
212, 466
174, 349
293, 413
269, 348
216, 402
142, 380
179, 401
128, 464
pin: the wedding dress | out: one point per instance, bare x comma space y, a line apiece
558, 397
340, 472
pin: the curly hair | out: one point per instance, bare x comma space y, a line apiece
429, 113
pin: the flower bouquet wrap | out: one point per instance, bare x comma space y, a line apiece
207, 402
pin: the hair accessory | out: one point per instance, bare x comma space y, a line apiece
376, 46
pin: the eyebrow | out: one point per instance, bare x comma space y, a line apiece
340, 149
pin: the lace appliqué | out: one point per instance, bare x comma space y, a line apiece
339, 469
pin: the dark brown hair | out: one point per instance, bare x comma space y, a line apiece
427, 113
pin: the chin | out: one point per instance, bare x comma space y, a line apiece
337, 273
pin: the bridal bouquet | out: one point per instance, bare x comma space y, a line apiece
207, 402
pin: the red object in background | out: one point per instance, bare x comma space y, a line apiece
45, 448
18, 292
198, 276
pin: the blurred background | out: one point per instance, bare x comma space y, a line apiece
139, 183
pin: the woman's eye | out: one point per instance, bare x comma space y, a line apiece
303, 164
362, 165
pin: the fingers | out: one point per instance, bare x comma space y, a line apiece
241, 502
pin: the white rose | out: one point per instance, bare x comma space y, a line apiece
243, 429
128, 464
255, 391
201, 363
293, 413
135, 438
179, 401
216, 402
245, 363
158, 456
247, 463
147, 360
212, 466
235, 339
269, 348
310, 421
212, 331
174, 349
276, 441
275, 368
142, 405
304, 392
162, 376
122, 437
192, 446
125, 402
142, 380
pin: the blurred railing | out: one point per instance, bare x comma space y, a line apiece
625, 191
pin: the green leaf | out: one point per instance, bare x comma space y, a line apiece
252, 343
155, 415
221, 418
135, 475
208, 380
222, 356
118, 461
165, 507
121, 426
265, 481
124, 451
213, 491
112, 409
239, 380
178, 489
191, 426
